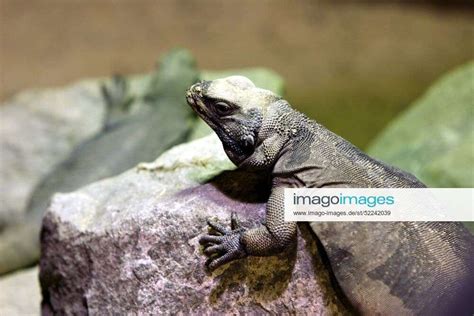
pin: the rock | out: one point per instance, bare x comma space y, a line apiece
125, 141
20, 293
38, 129
129, 244
434, 138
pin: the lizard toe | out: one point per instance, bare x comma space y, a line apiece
219, 261
210, 239
214, 249
218, 227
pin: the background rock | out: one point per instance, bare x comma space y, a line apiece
129, 244
434, 138
20, 294
38, 129
125, 140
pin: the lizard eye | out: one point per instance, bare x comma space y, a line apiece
223, 108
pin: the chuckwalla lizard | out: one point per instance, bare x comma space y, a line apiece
392, 268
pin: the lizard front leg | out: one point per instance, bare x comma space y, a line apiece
266, 240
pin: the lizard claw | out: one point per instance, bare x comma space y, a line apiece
234, 221
223, 246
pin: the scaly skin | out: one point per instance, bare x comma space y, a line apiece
399, 268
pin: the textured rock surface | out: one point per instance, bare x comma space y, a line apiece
38, 129
20, 293
129, 244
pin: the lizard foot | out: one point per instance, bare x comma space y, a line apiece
223, 244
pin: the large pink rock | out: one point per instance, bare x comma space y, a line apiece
129, 245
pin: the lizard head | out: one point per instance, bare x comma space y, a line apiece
234, 108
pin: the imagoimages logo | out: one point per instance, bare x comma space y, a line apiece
401, 204
342, 199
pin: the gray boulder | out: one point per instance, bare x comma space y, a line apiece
129, 245
434, 138
38, 129
125, 141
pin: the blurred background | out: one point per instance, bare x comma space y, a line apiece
352, 65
